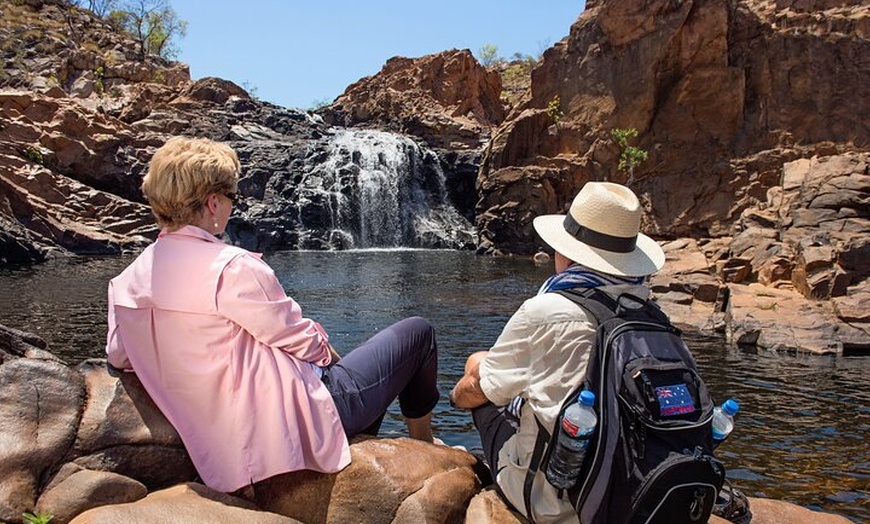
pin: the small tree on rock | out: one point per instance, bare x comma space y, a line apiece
153, 24
629, 156
488, 55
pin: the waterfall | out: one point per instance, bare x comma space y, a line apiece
376, 189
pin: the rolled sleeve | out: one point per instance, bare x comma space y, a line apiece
504, 371
249, 294
116, 355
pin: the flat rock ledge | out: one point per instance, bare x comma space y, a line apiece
776, 317
88, 445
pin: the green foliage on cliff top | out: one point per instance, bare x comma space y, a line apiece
153, 24
516, 72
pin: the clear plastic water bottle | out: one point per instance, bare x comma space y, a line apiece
575, 429
723, 420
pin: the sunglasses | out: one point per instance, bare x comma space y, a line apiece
234, 197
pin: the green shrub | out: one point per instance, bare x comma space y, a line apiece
488, 55
554, 109
629, 156
160, 76
34, 155
98, 82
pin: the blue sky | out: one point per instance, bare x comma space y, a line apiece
298, 53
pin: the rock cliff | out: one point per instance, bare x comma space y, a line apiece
722, 93
448, 99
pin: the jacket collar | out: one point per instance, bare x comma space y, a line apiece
192, 232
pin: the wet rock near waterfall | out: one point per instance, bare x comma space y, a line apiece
350, 189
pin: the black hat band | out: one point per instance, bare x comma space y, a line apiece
599, 240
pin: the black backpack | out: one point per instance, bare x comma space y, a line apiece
650, 459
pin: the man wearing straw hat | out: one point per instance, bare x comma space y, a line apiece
541, 355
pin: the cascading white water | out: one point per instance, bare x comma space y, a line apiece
384, 191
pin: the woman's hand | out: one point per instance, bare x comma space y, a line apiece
333, 354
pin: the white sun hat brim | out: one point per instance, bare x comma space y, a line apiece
645, 259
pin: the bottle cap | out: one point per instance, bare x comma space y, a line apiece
587, 398
730, 407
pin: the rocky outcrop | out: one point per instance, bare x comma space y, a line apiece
722, 92
64, 175
50, 43
448, 99
81, 115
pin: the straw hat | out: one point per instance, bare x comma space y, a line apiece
601, 231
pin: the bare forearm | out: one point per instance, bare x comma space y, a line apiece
467, 393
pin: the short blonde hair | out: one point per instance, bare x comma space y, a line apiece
183, 173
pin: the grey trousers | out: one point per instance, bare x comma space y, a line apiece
401, 361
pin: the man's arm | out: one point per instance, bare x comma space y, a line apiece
467, 393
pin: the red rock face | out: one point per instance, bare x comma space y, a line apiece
722, 94
448, 99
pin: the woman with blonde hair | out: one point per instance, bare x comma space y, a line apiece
253, 388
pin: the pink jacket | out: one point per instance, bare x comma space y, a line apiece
228, 359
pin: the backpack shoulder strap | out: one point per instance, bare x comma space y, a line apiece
596, 302
541, 442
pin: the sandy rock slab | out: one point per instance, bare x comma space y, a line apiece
388, 481
190, 503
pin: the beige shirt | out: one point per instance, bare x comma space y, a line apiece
541, 356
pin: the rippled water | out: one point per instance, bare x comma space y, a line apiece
800, 434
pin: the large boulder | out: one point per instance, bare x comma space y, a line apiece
383, 484
89, 440
40, 408
75, 490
